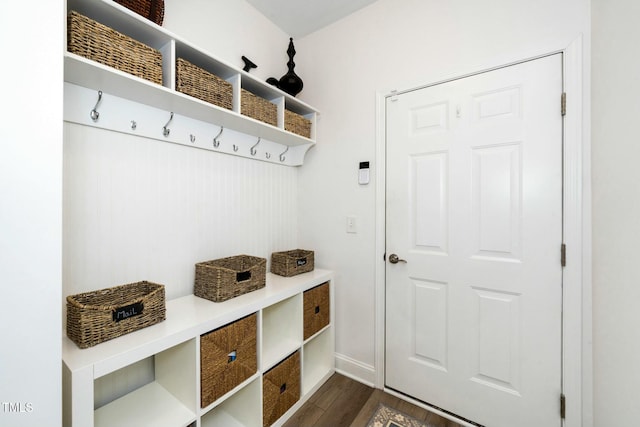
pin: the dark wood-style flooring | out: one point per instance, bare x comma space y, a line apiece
343, 402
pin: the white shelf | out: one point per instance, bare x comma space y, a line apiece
89, 74
187, 317
172, 348
151, 405
272, 355
94, 76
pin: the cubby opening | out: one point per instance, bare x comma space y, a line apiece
317, 360
157, 391
243, 408
281, 330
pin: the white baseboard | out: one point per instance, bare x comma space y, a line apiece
355, 370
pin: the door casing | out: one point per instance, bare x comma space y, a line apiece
577, 315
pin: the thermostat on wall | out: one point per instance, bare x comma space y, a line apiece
363, 173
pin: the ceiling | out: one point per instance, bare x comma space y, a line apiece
298, 18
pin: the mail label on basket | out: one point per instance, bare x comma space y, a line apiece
127, 311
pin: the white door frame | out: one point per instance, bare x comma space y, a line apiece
577, 374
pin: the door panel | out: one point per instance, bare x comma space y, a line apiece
474, 187
497, 203
429, 196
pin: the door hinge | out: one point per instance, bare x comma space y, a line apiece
563, 104
563, 406
563, 255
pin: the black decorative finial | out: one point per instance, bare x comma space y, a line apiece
248, 64
290, 82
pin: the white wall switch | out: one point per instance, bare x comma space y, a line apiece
351, 224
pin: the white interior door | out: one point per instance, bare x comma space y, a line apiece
474, 207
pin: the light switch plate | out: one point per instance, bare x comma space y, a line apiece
351, 224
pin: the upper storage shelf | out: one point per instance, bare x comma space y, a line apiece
95, 76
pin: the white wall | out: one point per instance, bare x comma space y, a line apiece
141, 209
394, 44
31, 214
616, 209
229, 29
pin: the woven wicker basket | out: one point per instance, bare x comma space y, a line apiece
95, 41
98, 316
290, 263
297, 124
201, 84
225, 278
280, 389
258, 108
153, 10
316, 309
227, 358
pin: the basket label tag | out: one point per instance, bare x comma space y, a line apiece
301, 261
127, 311
243, 275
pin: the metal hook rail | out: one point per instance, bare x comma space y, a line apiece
142, 120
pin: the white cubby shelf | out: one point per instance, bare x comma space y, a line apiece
172, 397
195, 122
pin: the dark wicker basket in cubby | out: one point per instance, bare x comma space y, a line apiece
280, 389
290, 263
316, 311
97, 316
258, 108
228, 356
297, 124
199, 83
97, 42
153, 10
225, 278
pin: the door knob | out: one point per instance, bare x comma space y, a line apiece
394, 259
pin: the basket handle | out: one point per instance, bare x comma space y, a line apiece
301, 261
243, 276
